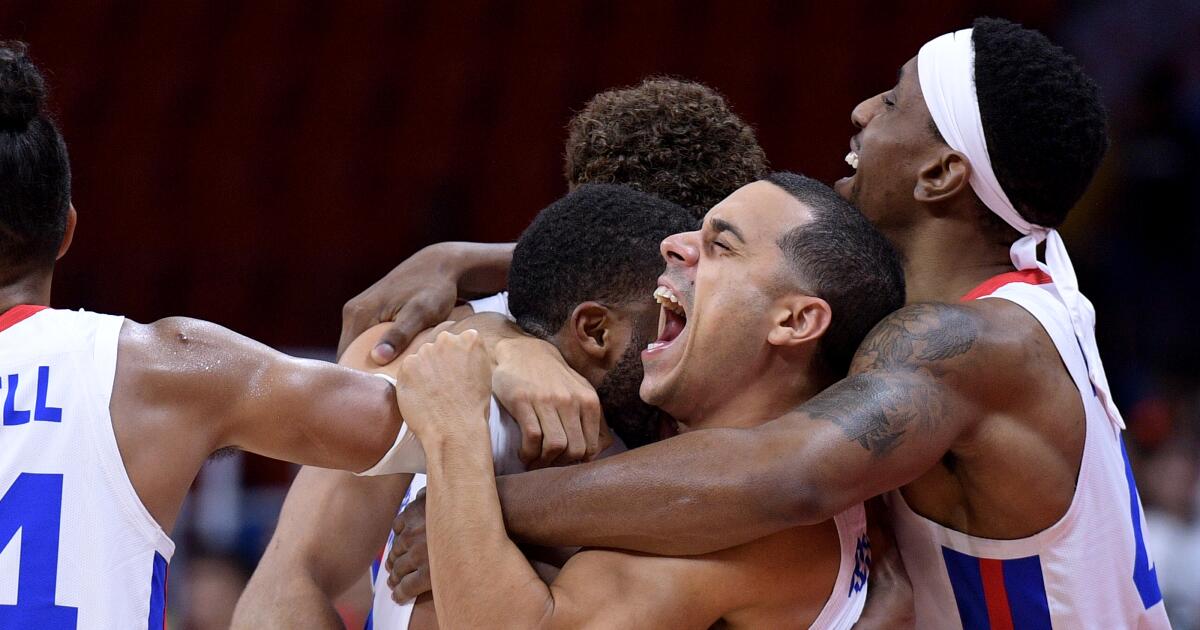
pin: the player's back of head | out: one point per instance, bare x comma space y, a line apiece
675, 139
845, 260
35, 176
1045, 126
600, 242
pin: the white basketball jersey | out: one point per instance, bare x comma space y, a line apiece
77, 548
845, 604
1091, 569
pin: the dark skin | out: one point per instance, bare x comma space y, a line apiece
964, 407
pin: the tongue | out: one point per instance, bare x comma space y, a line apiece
673, 327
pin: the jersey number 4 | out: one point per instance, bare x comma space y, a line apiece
33, 506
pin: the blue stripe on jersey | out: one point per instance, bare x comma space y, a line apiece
158, 594
370, 625
968, 589
1145, 577
1026, 593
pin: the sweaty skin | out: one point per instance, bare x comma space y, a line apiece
966, 407
301, 574
480, 578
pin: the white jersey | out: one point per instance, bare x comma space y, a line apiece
1091, 569
845, 604
77, 547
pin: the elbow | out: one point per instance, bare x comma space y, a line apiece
792, 500
789, 486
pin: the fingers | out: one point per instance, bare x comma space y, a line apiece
412, 585
554, 436
595, 430
577, 444
356, 318
415, 316
606, 438
531, 432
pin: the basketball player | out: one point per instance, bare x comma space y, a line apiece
573, 287
757, 287
981, 409
662, 137
106, 422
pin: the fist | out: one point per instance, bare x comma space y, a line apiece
446, 384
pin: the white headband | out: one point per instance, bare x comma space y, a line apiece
946, 69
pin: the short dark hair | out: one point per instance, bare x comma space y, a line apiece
35, 175
675, 139
600, 242
843, 259
1045, 126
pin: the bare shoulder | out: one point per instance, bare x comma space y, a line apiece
172, 357
973, 347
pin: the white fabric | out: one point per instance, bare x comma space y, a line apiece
407, 454
106, 541
946, 69
845, 604
1088, 560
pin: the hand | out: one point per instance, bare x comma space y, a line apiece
446, 384
407, 563
420, 292
557, 409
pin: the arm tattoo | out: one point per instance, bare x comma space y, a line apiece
890, 388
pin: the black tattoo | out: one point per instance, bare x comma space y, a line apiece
918, 336
890, 389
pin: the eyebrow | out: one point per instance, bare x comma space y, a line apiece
721, 225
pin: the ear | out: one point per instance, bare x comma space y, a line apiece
69, 235
798, 320
589, 329
943, 177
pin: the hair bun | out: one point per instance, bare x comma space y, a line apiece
22, 89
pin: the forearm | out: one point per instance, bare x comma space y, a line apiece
282, 601
331, 527
480, 578
694, 493
484, 269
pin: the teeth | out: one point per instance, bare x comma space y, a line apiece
666, 297
852, 160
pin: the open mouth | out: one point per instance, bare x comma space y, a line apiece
852, 159
672, 318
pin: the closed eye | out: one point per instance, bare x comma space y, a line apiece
721, 245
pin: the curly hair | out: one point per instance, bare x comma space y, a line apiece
1045, 126
674, 139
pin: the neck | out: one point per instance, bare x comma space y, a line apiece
944, 258
766, 395
33, 288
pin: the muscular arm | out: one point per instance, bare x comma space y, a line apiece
908, 398
481, 579
186, 388
332, 525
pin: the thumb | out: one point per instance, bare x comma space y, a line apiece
411, 320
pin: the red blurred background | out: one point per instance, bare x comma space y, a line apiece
259, 163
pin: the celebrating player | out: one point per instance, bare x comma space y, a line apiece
988, 422
746, 332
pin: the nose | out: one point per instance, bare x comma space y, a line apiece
864, 112
681, 249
